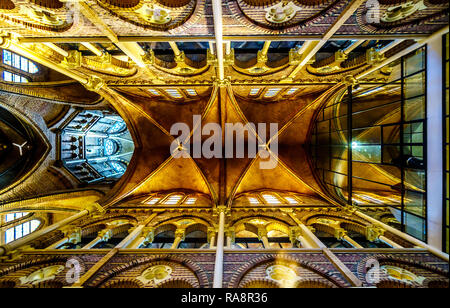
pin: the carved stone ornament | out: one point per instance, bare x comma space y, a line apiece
281, 12
155, 274
43, 274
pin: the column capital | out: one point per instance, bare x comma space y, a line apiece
222, 83
295, 233
105, 234
229, 58
5, 41
73, 60
339, 233
180, 233
72, 233
374, 57
350, 80
230, 231
149, 234
221, 209
262, 232
373, 233
94, 209
211, 233
94, 83
311, 228
349, 210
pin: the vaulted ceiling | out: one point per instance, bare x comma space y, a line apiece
154, 169
231, 53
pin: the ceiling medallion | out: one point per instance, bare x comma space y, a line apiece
41, 16
398, 12
155, 14
155, 274
282, 274
281, 12
43, 274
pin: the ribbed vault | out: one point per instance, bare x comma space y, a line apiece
154, 170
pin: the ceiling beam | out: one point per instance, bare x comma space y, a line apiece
92, 48
218, 29
11, 44
131, 49
209, 38
315, 46
404, 52
353, 46
56, 48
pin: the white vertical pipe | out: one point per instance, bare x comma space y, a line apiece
218, 267
434, 142
217, 12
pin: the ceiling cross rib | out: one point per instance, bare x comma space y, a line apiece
131, 49
312, 47
169, 160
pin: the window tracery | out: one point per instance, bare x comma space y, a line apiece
96, 146
21, 230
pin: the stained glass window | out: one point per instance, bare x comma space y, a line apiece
271, 199
111, 147
15, 216
21, 63
172, 200
10, 77
21, 230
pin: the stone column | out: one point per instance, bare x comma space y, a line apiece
389, 242
374, 233
297, 239
138, 231
310, 238
179, 237
341, 234
211, 237
147, 237
218, 267
262, 235
71, 235
349, 240
231, 235
103, 236
4, 249
404, 236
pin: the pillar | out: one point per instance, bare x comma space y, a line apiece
4, 249
262, 234
349, 240
389, 242
179, 237
404, 236
211, 237
297, 239
147, 236
140, 233
231, 235
434, 142
217, 12
308, 235
374, 233
266, 47
103, 236
71, 235
218, 266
